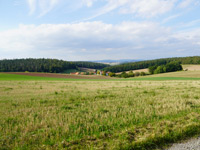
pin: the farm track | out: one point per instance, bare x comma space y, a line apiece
193, 144
56, 75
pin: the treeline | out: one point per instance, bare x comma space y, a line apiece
149, 63
169, 67
44, 65
91, 65
129, 74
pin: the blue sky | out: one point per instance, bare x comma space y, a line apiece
99, 29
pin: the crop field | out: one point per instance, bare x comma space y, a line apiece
191, 67
179, 74
56, 113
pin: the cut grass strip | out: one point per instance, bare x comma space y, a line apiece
14, 77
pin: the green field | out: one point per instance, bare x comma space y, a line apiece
137, 113
14, 77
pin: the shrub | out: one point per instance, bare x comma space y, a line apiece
152, 69
111, 74
123, 75
142, 73
137, 74
131, 74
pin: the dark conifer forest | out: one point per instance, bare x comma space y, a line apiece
44, 65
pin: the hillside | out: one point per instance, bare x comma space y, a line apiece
146, 70
190, 67
45, 65
148, 63
188, 74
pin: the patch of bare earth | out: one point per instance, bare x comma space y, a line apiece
146, 70
56, 75
191, 67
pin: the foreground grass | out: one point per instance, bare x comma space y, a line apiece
97, 115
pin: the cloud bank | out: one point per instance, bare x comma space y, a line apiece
97, 40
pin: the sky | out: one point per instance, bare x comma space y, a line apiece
85, 30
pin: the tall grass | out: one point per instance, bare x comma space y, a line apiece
97, 115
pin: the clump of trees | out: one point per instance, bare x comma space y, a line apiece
169, 67
130, 74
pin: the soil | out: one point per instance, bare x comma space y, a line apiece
56, 75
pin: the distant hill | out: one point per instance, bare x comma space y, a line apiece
148, 63
116, 62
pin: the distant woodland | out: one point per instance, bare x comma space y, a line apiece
58, 66
149, 63
44, 65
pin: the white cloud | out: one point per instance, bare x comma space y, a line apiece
32, 5
44, 5
91, 40
110, 6
171, 18
89, 3
140, 8
185, 3
148, 8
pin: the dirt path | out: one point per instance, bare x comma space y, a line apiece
193, 144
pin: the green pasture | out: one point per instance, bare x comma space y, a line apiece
138, 113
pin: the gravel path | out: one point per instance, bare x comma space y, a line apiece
193, 144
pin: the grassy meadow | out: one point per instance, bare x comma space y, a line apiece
48, 113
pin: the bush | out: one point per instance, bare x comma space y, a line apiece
137, 74
142, 73
152, 69
111, 74
123, 75
131, 74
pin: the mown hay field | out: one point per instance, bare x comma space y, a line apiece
191, 67
180, 74
83, 114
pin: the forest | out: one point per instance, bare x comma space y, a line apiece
149, 63
92, 65
169, 67
44, 65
